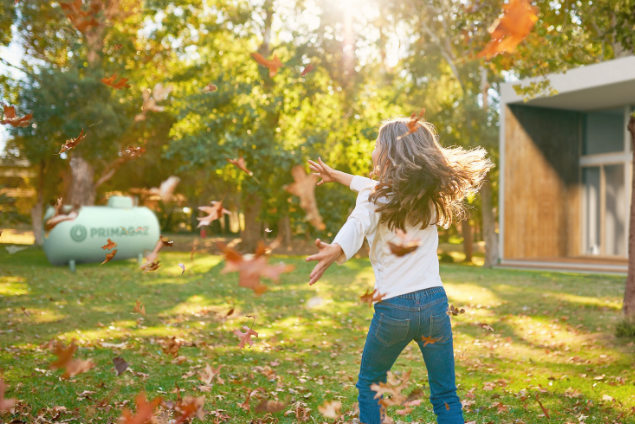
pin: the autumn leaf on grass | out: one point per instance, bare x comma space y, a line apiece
118, 85
145, 411
109, 256
188, 408
150, 100
371, 298
110, 245
167, 243
209, 374
485, 327
455, 311
72, 143
135, 152
213, 212
13, 120
171, 347
251, 267
65, 360
245, 337
5, 404
406, 245
166, 190
59, 217
429, 340
413, 123
271, 406
120, 365
544, 410
245, 405
304, 188
209, 88
139, 308
508, 31
331, 409
308, 68
273, 65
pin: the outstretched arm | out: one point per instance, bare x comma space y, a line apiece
329, 174
328, 254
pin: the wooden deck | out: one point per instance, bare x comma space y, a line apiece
584, 264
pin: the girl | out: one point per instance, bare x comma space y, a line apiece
420, 185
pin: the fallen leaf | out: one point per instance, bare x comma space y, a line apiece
270, 406
171, 347
405, 246
304, 188
245, 337
5, 404
371, 298
72, 143
209, 374
331, 409
110, 245
485, 327
508, 31
120, 365
110, 81
13, 120
544, 410
109, 256
308, 68
273, 65
139, 308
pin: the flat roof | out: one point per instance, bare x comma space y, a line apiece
599, 86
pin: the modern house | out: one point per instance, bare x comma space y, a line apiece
566, 170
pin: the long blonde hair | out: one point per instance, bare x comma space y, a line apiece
421, 182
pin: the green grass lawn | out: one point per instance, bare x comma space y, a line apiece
553, 336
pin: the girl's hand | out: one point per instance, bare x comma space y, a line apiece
328, 254
323, 171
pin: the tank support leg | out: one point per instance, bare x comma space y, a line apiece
140, 259
71, 265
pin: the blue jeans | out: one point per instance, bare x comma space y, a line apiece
396, 322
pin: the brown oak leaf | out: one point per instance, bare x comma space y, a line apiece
120, 365
72, 143
304, 188
245, 337
273, 65
331, 409
508, 31
213, 212
112, 82
308, 68
413, 123
109, 245
109, 256
405, 247
372, 298
429, 340
65, 360
13, 120
145, 411
5, 404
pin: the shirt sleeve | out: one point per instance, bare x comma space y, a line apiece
359, 223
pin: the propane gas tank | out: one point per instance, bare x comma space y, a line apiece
80, 240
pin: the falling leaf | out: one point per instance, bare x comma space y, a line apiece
245, 337
508, 31
110, 245
150, 100
171, 347
120, 365
209, 88
166, 190
145, 411
251, 268
270, 406
267, 230
135, 151
371, 298
110, 81
485, 327
331, 409
167, 243
405, 246
455, 311
109, 256
25, 311
59, 217
429, 340
308, 68
273, 65
150, 266
139, 308
209, 374
72, 143
15, 249
213, 212
544, 410
240, 164
393, 387
65, 360
189, 408
413, 123
81, 18
11, 118
5, 404
304, 188
118, 46
183, 268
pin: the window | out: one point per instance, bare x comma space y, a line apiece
604, 132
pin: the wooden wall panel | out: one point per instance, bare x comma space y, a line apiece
542, 207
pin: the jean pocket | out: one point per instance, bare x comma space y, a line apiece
391, 331
441, 327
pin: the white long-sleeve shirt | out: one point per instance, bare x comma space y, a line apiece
394, 275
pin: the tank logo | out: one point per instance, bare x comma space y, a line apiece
78, 233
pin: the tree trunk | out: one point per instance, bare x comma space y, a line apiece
37, 209
489, 226
83, 191
629, 292
252, 233
466, 229
284, 230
